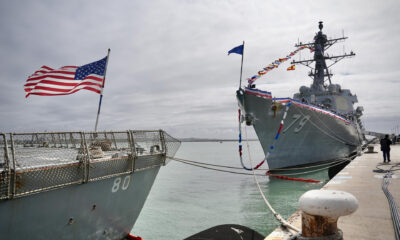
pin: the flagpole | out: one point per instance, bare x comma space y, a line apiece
101, 91
241, 68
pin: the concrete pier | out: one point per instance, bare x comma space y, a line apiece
372, 220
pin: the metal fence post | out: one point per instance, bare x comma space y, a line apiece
32, 140
86, 159
163, 145
7, 165
133, 149
14, 168
113, 138
54, 139
71, 137
37, 138
65, 139
59, 139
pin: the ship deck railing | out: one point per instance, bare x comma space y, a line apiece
42, 161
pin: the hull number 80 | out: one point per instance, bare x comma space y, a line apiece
120, 183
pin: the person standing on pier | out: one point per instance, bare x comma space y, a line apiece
385, 148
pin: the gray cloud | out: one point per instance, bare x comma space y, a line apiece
169, 66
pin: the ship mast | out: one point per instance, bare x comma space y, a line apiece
321, 70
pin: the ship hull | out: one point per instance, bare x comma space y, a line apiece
309, 135
103, 209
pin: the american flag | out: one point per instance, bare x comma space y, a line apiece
66, 80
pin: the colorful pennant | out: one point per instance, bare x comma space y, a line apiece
291, 68
275, 64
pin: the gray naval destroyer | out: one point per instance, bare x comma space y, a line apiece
321, 124
77, 185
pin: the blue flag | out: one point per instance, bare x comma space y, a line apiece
238, 50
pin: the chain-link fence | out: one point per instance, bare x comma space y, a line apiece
110, 154
35, 162
32, 150
171, 144
148, 142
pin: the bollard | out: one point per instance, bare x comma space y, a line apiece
320, 212
370, 149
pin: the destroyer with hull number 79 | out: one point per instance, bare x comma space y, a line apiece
321, 124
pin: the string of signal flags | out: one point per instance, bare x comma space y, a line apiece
275, 64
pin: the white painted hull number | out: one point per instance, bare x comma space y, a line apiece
121, 184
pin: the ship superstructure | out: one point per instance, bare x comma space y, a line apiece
322, 91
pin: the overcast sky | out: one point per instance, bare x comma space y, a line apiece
169, 67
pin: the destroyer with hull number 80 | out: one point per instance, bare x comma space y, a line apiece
77, 185
321, 124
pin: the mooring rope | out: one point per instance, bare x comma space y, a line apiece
318, 169
313, 166
204, 165
213, 165
199, 164
395, 167
392, 203
241, 147
277, 215
331, 163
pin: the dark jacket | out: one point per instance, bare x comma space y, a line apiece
385, 144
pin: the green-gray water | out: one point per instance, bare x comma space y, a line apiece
185, 199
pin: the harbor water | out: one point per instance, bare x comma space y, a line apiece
186, 199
